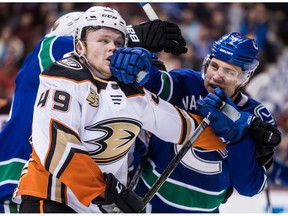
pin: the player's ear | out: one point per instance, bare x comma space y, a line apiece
80, 48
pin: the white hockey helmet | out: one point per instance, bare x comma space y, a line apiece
99, 16
65, 25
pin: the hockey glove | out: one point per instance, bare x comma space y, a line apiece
265, 133
267, 137
128, 63
229, 124
116, 193
156, 36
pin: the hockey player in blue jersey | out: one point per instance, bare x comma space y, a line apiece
209, 171
14, 137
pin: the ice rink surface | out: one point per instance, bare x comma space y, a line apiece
258, 203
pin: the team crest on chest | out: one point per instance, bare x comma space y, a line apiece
118, 134
70, 63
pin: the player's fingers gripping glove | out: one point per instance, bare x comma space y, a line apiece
131, 64
156, 36
125, 199
267, 137
229, 124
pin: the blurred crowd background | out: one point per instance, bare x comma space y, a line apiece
23, 24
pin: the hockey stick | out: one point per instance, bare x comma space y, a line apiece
267, 192
177, 158
149, 11
174, 162
172, 165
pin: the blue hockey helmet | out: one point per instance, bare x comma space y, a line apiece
238, 50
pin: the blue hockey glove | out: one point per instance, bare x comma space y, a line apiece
229, 124
131, 64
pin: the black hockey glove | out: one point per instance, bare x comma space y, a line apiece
156, 36
267, 137
125, 199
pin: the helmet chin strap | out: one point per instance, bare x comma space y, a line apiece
240, 87
83, 57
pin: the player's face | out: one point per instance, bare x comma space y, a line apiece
222, 74
100, 46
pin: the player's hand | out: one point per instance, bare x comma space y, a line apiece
117, 194
267, 137
156, 36
265, 133
229, 124
131, 64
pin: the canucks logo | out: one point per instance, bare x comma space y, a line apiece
261, 112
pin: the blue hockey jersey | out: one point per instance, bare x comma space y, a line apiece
14, 138
200, 182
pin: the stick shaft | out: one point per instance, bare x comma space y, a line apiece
174, 162
149, 11
267, 192
177, 158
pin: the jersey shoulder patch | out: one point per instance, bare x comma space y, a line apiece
70, 63
68, 68
261, 112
